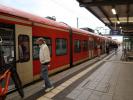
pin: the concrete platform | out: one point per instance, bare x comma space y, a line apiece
108, 79
36, 88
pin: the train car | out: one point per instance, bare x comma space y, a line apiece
80, 46
68, 46
96, 39
57, 40
91, 45
19, 30
103, 45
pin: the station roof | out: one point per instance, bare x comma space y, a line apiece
102, 9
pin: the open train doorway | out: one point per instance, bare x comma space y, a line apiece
7, 46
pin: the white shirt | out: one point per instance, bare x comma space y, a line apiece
44, 54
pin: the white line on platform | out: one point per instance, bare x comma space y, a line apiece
55, 91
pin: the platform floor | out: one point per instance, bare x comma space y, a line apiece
107, 79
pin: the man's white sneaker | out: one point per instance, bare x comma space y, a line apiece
49, 89
43, 86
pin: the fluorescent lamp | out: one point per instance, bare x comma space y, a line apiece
118, 22
113, 11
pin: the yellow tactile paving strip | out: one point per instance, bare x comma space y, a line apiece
55, 91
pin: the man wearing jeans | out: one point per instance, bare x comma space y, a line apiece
44, 56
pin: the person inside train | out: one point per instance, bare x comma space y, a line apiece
115, 48
23, 49
98, 48
107, 48
44, 56
21, 55
2, 60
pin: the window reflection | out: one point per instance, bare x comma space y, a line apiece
77, 46
36, 46
61, 46
23, 48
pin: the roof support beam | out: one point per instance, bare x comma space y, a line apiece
117, 17
99, 18
105, 3
128, 7
105, 15
130, 26
95, 14
109, 25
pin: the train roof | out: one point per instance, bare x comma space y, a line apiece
30, 17
33, 18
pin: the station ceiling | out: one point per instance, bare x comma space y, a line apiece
102, 9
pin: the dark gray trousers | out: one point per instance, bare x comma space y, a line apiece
44, 75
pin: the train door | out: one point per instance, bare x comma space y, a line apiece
90, 48
103, 46
24, 52
7, 46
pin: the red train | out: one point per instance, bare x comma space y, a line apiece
68, 46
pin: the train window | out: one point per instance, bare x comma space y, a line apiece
77, 46
85, 45
61, 47
23, 48
36, 47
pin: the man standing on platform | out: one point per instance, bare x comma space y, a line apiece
44, 56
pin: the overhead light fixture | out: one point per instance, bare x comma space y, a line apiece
118, 22
114, 11
120, 27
